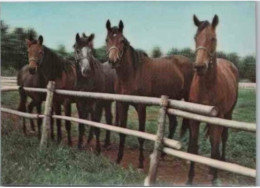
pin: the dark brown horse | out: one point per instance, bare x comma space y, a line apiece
25, 79
92, 76
140, 75
215, 83
53, 68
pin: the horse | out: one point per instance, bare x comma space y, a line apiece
25, 79
215, 83
53, 68
92, 76
137, 74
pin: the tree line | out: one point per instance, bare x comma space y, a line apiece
14, 53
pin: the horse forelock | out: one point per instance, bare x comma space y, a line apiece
202, 26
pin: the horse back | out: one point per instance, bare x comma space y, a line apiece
166, 78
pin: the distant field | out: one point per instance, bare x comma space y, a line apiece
22, 164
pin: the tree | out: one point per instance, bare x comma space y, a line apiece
156, 52
247, 68
101, 54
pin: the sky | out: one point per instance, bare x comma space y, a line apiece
146, 24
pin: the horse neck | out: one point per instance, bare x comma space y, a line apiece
126, 71
52, 65
42, 81
209, 79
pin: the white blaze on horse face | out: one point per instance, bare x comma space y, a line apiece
84, 62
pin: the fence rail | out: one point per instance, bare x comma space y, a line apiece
179, 108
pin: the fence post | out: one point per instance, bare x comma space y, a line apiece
47, 114
158, 144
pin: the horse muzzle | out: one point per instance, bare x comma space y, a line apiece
114, 64
201, 68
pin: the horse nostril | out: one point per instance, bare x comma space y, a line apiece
200, 66
32, 70
86, 71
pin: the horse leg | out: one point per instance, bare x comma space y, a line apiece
58, 122
90, 134
172, 125
39, 120
225, 137
30, 110
122, 115
96, 115
109, 118
193, 147
215, 133
67, 109
81, 107
141, 110
22, 106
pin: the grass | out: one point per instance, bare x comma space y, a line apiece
23, 164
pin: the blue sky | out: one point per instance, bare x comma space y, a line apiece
147, 24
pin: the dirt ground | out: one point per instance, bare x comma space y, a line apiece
173, 171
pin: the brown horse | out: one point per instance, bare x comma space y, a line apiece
53, 68
25, 79
214, 83
92, 76
140, 75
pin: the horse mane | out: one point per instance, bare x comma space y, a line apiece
137, 55
56, 63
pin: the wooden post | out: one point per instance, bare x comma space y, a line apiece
47, 114
158, 144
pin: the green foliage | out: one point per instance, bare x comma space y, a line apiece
101, 54
156, 52
248, 68
14, 53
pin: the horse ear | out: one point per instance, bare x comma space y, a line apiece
77, 38
215, 21
40, 40
91, 37
196, 20
84, 35
121, 26
28, 43
108, 25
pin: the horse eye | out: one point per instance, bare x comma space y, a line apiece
213, 39
106, 40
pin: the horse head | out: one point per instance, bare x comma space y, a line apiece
115, 43
35, 53
83, 48
206, 44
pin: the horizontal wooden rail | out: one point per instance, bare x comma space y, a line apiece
9, 88
215, 121
144, 135
182, 105
22, 114
8, 78
231, 167
187, 106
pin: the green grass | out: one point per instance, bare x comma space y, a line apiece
23, 164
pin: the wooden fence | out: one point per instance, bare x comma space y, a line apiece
169, 146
